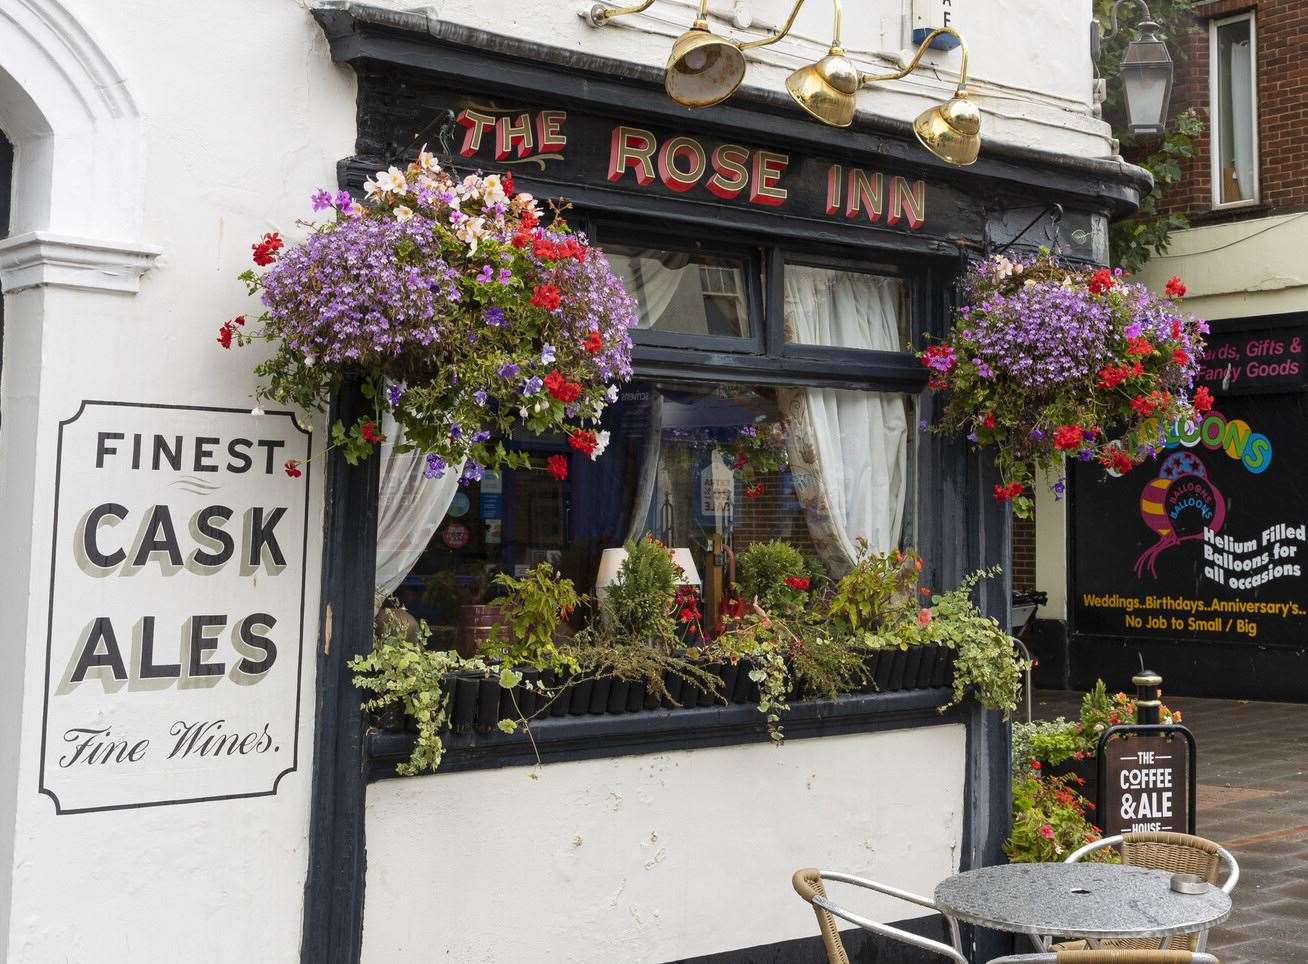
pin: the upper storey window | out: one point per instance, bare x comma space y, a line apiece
1234, 99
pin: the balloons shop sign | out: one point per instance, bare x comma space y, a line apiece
176, 606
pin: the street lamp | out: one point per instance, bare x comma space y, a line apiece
1146, 75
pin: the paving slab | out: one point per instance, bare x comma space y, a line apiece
1253, 800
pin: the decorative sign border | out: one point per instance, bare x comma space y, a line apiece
49, 647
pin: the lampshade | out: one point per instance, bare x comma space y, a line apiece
703, 69
952, 131
1147, 77
611, 561
826, 89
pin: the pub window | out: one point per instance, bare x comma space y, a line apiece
1234, 99
709, 464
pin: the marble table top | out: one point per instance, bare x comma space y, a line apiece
1079, 900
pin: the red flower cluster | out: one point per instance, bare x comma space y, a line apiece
292, 468
562, 389
1114, 458
1100, 281
545, 296
939, 358
1139, 346
506, 182
1180, 357
583, 441
1146, 405
265, 251
1174, 288
989, 420
593, 343
1007, 493
1203, 400
228, 329
548, 250
796, 582
740, 462
370, 433
1113, 375
754, 491
557, 466
688, 611
1067, 438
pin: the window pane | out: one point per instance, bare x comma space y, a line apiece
700, 467
684, 293
1235, 113
846, 309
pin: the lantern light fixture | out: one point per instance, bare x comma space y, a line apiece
1146, 71
704, 69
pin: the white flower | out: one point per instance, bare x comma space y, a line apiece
427, 161
257, 412
601, 443
402, 213
541, 405
310, 360
493, 190
611, 393
392, 179
371, 188
522, 412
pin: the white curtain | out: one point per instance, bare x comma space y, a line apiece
1242, 119
651, 460
411, 508
848, 450
653, 276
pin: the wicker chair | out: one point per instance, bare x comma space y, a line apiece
808, 884
1174, 852
1106, 956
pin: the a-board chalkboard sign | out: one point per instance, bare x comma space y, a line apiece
1146, 780
1206, 541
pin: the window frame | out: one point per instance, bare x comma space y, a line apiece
1215, 118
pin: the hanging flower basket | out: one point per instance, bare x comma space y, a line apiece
466, 318
1047, 361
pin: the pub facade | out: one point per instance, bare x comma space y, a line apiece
189, 770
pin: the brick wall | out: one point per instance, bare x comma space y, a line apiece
1281, 31
1024, 554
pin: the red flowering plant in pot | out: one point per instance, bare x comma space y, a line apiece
1047, 361
466, 318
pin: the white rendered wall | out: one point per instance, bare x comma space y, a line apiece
1235, 270
655, 858
242, 114
1030, 59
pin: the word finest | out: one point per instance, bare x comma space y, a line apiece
89, 746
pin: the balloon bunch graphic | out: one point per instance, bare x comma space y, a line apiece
1182, 484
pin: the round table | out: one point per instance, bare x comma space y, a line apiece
1091, 901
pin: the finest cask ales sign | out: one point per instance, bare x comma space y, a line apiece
176, 606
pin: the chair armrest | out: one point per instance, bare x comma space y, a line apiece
880, 888
894, 933
1232, 869
1100, 844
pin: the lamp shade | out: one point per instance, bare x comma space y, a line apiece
703, 69
1147, 78
611, 561
826, 89
952, 131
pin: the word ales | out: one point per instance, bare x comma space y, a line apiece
635, 156
176, 620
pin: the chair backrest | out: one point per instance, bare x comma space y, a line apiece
1174, 852
808, 884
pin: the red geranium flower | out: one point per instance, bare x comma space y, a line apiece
989, 420
924, 617
1174, 288
740, 461
593, 342
1100, 281
1033, 763
1117, 460
1067, 438
292, 468
545, 249
1139, 346
583, 441
562, 389
1176, 330
1046, 831
545, 296
1180, 357
557, 466
225, 335
1203, 400
1111, 376
529, 219
520, 239
506, 182
796, 582
1007, 493
265, 251
754, 491
238, 320
370, 433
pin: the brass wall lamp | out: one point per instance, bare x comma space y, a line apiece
704, 69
